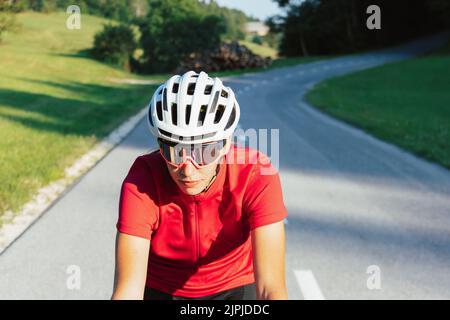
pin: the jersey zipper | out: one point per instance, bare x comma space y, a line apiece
197, 233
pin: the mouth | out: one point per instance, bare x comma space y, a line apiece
189, 183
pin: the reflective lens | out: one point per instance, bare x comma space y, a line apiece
200, 154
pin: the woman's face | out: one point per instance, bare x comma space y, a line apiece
191, 180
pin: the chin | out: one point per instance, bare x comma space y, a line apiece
192, 191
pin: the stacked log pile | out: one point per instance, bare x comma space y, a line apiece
228, 56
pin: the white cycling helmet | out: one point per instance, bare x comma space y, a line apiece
193, 108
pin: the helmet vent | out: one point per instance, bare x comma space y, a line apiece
163, 132
174, 114
159, 110
175, 88
208, 89
188, 113
232, 118
214, 104
165, 100
201, 115
224, 94
191, 88
219, 113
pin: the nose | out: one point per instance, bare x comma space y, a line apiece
187, 168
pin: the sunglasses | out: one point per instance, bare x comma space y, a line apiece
200, 154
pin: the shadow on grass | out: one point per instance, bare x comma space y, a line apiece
96, 110
86, 53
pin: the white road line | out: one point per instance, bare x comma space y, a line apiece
308, 285
17, 223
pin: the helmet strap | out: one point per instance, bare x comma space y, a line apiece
213, 178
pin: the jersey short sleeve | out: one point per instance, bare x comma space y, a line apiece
263, 199
138, 213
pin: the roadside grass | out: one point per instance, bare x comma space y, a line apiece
55, 103
261, 50
406, 103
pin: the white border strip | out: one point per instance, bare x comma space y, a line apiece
15, 224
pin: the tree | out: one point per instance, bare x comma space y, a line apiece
234, 19
173, 29
338, 26
441, 10
42, 5
115, 44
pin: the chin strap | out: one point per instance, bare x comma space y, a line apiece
212, 179
217, 172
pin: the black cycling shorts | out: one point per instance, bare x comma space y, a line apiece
246, 292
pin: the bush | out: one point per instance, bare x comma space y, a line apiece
115, 44
7, 18
257, 39
45, 6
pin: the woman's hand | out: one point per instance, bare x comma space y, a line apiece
131, 267
269, 261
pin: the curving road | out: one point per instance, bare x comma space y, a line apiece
366, 219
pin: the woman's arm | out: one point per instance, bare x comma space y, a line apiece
131, 267
268, 261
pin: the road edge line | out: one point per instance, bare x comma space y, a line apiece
16, 223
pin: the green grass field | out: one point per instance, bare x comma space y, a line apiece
406, 103
55, 103
261, 50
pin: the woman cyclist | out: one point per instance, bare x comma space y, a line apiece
195, 221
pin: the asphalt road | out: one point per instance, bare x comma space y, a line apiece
355, 204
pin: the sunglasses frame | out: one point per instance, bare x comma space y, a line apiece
189, 158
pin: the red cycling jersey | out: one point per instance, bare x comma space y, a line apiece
200, 244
